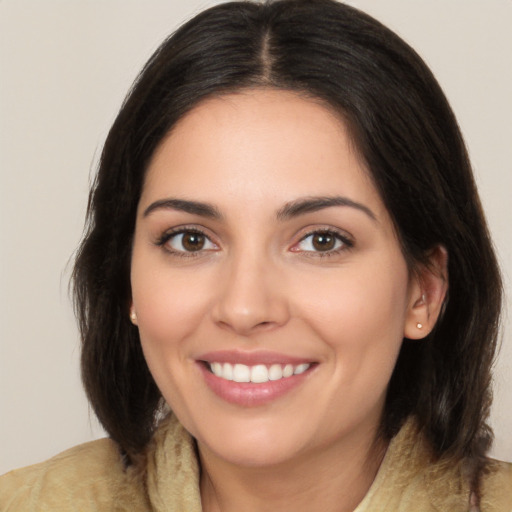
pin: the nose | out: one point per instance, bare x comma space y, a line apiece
251, 297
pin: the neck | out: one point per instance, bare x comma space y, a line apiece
335, 479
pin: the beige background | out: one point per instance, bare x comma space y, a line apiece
64, 69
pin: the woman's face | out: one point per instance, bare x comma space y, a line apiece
262, 249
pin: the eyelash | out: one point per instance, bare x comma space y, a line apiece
169, 235
346, 242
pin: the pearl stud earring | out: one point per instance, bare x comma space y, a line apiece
419, 326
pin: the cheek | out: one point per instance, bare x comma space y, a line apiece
360, 315
170, 309
169, 305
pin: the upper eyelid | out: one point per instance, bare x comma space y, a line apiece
184, 229
166, 238
347, 242
167, 234
303, 233
341, 233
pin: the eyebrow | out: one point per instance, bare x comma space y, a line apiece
289, 210
193, 207
314, 204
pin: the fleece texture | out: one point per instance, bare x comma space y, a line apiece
91, 478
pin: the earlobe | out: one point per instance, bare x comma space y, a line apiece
428, 293
133, 315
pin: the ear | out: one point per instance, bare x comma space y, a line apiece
428, 289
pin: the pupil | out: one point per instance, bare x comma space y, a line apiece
323, 242
193, 241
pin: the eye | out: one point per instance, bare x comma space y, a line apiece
324, 241
187, 241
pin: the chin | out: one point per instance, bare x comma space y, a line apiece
255, 442
258, 454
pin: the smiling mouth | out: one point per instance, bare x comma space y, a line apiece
256, 374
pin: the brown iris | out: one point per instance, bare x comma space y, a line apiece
324, 241
193, 241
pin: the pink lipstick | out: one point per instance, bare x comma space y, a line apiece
252, 378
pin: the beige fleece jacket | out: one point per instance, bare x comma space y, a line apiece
91, 478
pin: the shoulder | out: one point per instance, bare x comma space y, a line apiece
497, 487
447, 482
88, 477
411, 478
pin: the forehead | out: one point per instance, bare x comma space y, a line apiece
259, 144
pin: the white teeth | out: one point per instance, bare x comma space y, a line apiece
257, 374
217, 369
300, 369
288, 370
241, 373
275, 372
227, 371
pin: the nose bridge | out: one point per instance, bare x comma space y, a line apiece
250, 297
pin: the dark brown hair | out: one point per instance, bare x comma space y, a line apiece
406, 132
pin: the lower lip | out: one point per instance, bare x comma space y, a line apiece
247, 394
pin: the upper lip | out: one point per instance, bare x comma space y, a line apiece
251, 358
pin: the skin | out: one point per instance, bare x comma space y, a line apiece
259, 283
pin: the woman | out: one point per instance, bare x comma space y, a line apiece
286, 248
